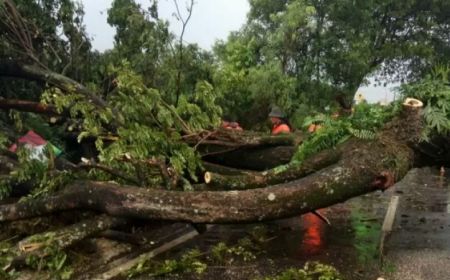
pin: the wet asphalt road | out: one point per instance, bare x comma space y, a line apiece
418, 248
419, 245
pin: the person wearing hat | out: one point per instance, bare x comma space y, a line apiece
279, 121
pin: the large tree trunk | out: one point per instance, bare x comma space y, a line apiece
245, 149
364, 168
281, 174
253, 158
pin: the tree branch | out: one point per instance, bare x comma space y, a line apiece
28, 106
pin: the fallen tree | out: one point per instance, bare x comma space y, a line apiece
363, 166
147, 149
352, 168
351, 176
356, 167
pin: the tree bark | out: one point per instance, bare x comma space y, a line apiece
365, 166
351, 176
274, 176
10, 68
224, 145
254, 158
36, 245
224, 170
28, 106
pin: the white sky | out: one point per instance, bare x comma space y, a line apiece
211, 20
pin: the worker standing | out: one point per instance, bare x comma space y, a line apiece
280, 124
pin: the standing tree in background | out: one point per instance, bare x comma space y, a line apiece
331, 47
184, 21
48, 33
141, 38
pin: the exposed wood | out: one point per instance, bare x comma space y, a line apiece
408, 125
390, 214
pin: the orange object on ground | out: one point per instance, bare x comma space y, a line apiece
280, 128
313, 240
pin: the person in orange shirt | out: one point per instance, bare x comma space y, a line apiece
279, 122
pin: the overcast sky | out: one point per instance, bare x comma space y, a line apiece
211, 20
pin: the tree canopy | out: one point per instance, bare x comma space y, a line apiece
331, 48
301, 55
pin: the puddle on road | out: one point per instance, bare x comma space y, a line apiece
351, 243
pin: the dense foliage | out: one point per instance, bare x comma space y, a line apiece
363, 123
135, 78
328, 49
434, 91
